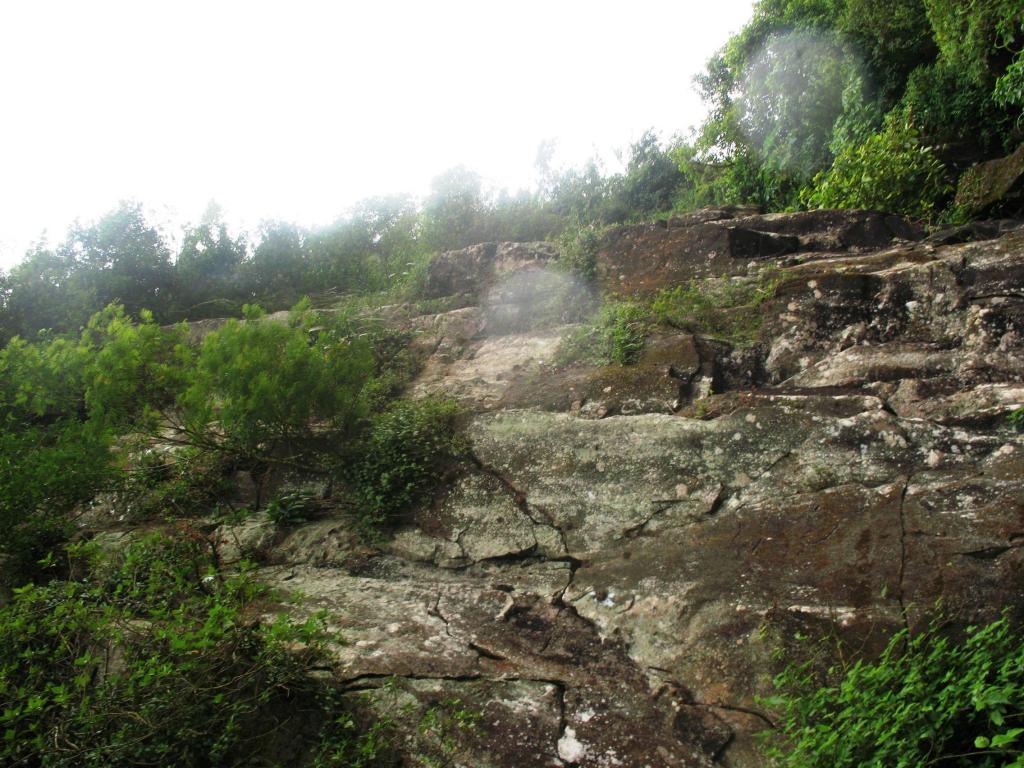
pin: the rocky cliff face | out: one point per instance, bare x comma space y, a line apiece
608, 576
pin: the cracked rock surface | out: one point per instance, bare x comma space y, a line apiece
607, 577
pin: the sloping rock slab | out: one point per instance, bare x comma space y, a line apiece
656, 383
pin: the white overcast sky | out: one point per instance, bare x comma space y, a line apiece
295, 110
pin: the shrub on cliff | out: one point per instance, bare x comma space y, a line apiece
258, 386
729, 309
402, 457
891, 171
616, 335
926, 701
150, 657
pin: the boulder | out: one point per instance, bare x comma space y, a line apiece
993, 185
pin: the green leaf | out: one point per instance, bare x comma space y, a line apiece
1009, 737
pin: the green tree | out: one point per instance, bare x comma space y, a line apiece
278, 262
259, 385
792, 95
891, 171
454, 211
121, 258
367, 249
773, 92
652, 176
208, 264
579, 194
43, 291
133, 370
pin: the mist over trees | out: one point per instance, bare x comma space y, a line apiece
378, 245
914, 91
814, 103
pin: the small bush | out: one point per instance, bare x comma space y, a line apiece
153, 658
291, 509
616, 335
728, 309
1016, 418
625, 327
402, 457
891, 171
926, 701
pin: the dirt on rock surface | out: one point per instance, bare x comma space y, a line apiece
607, 579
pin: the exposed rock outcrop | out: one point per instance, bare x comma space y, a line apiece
473, 269
645, 258
607, 577
996, 184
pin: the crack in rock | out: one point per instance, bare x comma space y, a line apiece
990, 553
520, 499
435, 611
903, 554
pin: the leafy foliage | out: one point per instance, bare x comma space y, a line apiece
442, 728
151, 657
652, 177
209, 263
578, 251
402, 458
1016, 418
806, 83
1009, 90
616, 335
291, 509
729, 309
132, 368
259, 385
891, 171
950, 107
44, 473
895, 36
792, 94
927, 700
40, 382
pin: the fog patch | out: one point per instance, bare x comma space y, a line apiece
534, 298
796, 88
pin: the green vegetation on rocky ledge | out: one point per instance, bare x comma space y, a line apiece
622, 471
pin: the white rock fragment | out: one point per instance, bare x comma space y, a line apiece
570, 749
